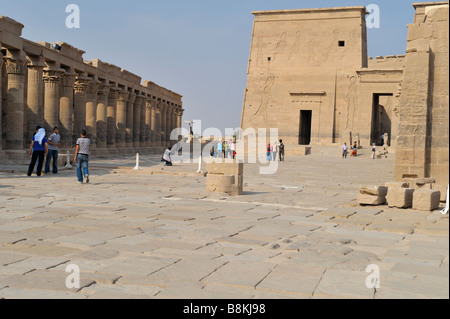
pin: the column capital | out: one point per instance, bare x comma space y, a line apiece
104, 89
141, 99
113, 93
122, 95
15, 66
52, 76
92, 88
131, 97
68, 80
81, 84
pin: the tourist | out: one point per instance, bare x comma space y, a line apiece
374, 149
275, 150
53, 147
269, 152
224, 151
344, 150
281, 150
233, 149
166, 157
82, 157
38, 150
354, 150
219, 149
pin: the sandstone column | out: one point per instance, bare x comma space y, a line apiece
66, 110
162, 131
35, 109
168, 123
142, 119
138, 124
148, 123
131, 105
52, 79
80, 90
102, 115
91, 112
151, 119
121, 118
111, 118
180, 117
14, 115
158, 121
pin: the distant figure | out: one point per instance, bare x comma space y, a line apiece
232, 149
354, 150
269, 152
38, 150
374, 149
281, 150
219, 149
166, 157
53, 147
82, 157
344, 150
275, 150
224, 149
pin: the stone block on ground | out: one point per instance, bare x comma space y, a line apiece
374, 190
365, 199
400, 197
396, 185
426, 199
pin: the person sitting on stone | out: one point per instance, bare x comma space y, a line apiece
166, 157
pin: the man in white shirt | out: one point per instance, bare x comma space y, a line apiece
166, 157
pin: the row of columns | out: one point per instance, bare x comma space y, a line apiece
114, 117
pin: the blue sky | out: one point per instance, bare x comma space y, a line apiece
198, 48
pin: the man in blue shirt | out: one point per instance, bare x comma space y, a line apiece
38, 150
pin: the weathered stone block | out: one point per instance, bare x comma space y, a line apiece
374, 190
426, 199
225, 178
390, 185
400, 197
365, 199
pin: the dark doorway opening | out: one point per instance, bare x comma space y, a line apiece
304, 136
381, 118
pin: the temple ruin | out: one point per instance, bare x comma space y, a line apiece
309, 75
49, 84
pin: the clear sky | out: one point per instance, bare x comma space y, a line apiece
197, 48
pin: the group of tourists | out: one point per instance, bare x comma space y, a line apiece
224, 149
354, 150
275, 149
47, 148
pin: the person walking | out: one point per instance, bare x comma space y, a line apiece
281, 151
224, 149
269, 152
275, 150
219, 149
53, 147
374, 149
82, 157
233, 149
344, 150
38, 150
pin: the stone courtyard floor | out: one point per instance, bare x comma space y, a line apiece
157, 233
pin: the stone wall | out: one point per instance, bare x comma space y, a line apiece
423, 142
49, 84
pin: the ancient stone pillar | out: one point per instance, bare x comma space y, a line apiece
137, 120
14, 115
168, 123
180, 117
52, 80
80, 91
91, 111
148, 124
121, 118
152, 123
163, 122
111, 123
66, 110
157, 140
130, 119
102, 115
35, 109
142, 119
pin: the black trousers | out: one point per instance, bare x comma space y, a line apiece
34, 157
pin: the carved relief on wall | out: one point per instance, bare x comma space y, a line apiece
259, 113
